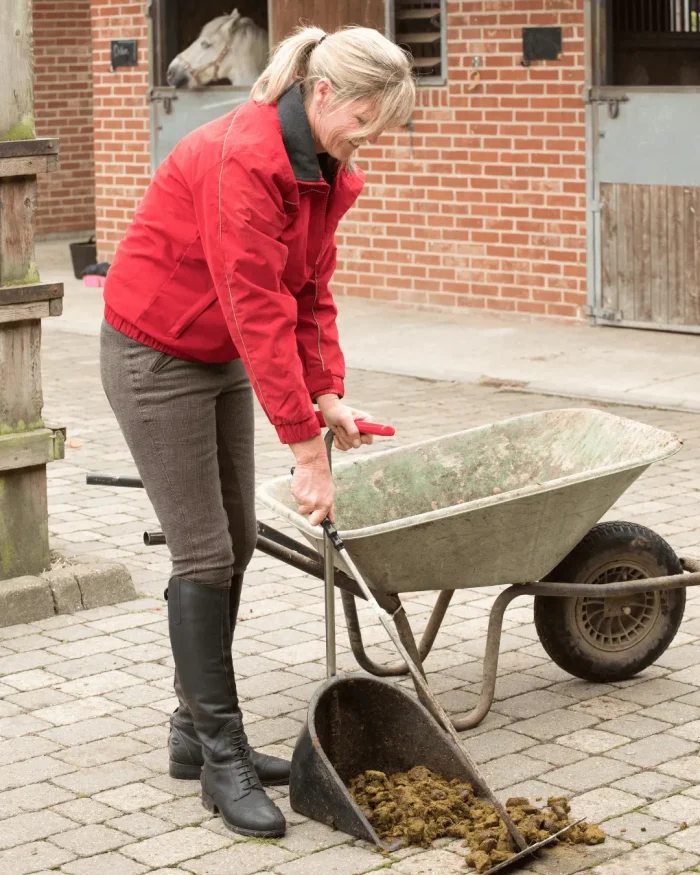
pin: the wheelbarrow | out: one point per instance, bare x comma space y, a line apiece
512, 504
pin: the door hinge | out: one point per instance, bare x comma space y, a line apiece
604, 313
594, 206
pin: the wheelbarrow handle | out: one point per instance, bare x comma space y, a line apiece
364, 427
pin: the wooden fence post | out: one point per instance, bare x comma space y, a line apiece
26, 445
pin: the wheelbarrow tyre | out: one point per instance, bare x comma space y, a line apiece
601, 639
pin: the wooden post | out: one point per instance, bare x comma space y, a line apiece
26, 445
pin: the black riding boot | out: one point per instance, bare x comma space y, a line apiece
183, 745
200, 636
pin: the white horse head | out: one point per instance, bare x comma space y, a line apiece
229, 47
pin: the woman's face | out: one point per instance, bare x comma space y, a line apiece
335, 127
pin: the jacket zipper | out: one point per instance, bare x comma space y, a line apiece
320, 252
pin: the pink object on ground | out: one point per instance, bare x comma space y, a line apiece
93, 281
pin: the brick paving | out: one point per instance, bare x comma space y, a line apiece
85, 698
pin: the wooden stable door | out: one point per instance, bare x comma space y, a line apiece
285, 15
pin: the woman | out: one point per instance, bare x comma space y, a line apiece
222, 282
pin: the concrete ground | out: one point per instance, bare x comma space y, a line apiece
84, 699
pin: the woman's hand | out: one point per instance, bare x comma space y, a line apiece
341, 420
312, 483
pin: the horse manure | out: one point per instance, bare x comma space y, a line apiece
420, 806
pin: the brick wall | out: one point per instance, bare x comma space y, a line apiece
122, 156
63, 108
490, 210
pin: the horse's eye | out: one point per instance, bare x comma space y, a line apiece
205, 45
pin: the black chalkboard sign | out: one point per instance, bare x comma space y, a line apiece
124, 53
541, 44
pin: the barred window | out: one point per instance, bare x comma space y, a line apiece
420, 27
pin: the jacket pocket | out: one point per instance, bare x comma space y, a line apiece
189, 316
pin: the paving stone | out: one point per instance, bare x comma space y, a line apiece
597, 805
687, 768
133, 797
21, 724
653, 750
638, 828
343, 860
532, 704
140, 825
78, 710
92, 839
97, 685
182, 812
553, 724
555, 754
498, 743
539, 791
174, 847
686, 840
30, 827
243, 858
309, 837
511, 769
105, 864
87, 731
21, 662
590, 773
32, 857
690, 730
105, 750
19, 749
605, 707
98, 778
654, 691
135, 696
144, 716
31, 771
633, 726
652, 785
86, 811
23, 599
678, 809
89, 665
31, 680
573, 859
652, 859
33, 700
432, 862
592, 741
31, 797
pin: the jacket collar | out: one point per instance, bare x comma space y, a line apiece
296, 135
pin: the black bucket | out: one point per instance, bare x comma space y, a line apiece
83, 254
355, 723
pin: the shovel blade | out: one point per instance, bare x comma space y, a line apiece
529, 851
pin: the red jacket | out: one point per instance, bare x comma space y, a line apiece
230, 253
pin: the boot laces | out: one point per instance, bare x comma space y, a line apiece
244, 768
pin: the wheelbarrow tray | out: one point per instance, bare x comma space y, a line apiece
494, 505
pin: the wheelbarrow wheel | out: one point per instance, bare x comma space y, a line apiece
611, 639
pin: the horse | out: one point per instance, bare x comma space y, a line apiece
229, 47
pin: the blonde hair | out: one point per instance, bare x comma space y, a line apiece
358, 62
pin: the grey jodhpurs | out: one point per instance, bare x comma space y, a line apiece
190, 429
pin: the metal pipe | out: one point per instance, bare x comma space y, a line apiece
399, 668
113, 480
329, 581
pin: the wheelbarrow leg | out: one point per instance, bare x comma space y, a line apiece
399, 668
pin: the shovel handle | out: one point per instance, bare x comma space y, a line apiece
364, 427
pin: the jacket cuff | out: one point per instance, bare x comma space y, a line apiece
323, 382
293, 433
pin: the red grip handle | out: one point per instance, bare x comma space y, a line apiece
364, 427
